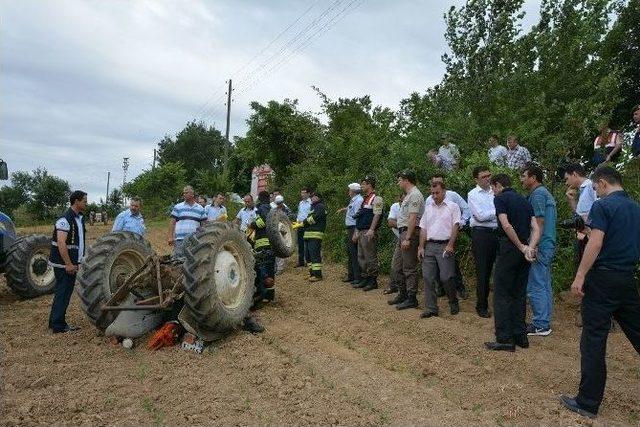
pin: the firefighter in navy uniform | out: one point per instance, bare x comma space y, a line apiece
265, 258
315, 225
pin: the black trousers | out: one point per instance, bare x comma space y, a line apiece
303, 256
353, 267
63, 290
314, 250
607, 294
510, 292
484, 245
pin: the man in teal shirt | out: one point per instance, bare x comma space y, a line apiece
539, 289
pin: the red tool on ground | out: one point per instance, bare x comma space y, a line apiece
166, 336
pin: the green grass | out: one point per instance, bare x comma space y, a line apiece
156, 413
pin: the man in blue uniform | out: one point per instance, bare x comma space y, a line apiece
67, 251
605, 280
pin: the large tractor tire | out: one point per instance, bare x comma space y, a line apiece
27, 270
218, 278
107, 264
280, 233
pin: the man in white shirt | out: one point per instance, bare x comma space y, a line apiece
355, 202
246, 215
217, 211
439, 228
580, 196
497, 152
304, 208
484, 238
448, 151
392, 221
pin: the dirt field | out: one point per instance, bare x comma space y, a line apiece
330, 355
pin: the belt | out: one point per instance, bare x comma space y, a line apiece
403, 229
485, 229
441, 242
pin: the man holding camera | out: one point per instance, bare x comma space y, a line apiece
605, 280
580, 196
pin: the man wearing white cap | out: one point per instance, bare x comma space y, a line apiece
353, 268
278, 203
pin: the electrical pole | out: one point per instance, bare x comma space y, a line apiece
226, 132
125, 167
106, 200
154, 159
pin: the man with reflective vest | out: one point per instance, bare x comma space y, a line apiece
368, 221
67, 251
265, 259
314, 226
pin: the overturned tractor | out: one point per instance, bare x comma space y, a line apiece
210, 290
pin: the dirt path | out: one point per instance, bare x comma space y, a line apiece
331, 355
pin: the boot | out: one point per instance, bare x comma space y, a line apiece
401, 297
361, 284
410, 302
252, 325
371, 285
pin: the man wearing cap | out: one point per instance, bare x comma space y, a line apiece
278, 203
314, 226
353, 268
367, 223
411, 211
392, 221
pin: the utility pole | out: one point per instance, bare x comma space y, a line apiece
226, 132
154, 159
125, 167
106, 200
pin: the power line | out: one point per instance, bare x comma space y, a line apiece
303, 45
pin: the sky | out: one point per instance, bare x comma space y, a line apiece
85, 83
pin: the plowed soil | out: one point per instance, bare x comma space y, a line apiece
330, 355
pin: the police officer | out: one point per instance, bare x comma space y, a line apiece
355, 202
67, 250
314, 226
368, 221
605, 280
411, 211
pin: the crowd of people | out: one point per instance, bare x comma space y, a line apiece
513, 241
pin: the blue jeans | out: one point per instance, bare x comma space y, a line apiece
539, 288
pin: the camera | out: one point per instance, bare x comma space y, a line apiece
576, 223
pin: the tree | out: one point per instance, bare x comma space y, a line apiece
196, 147
158, 187
115, 199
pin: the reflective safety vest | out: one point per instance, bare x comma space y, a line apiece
316, 222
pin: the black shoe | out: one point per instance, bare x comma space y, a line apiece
426, 314
483, 313
497, 346
463, 294
251, 325
361, 284
68, 328
410, 302
571, 404
371, 285
390, 290
401, 297
455, 308
521, 341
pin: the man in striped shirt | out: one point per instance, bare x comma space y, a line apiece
186, 217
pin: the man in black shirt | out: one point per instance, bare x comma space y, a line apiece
518, 230
605, 280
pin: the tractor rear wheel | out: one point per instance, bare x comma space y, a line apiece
218, 278
27, 270
108, 263
280, 233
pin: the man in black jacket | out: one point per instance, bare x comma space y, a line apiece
67, 251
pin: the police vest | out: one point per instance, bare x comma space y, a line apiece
364, 217
73, 241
